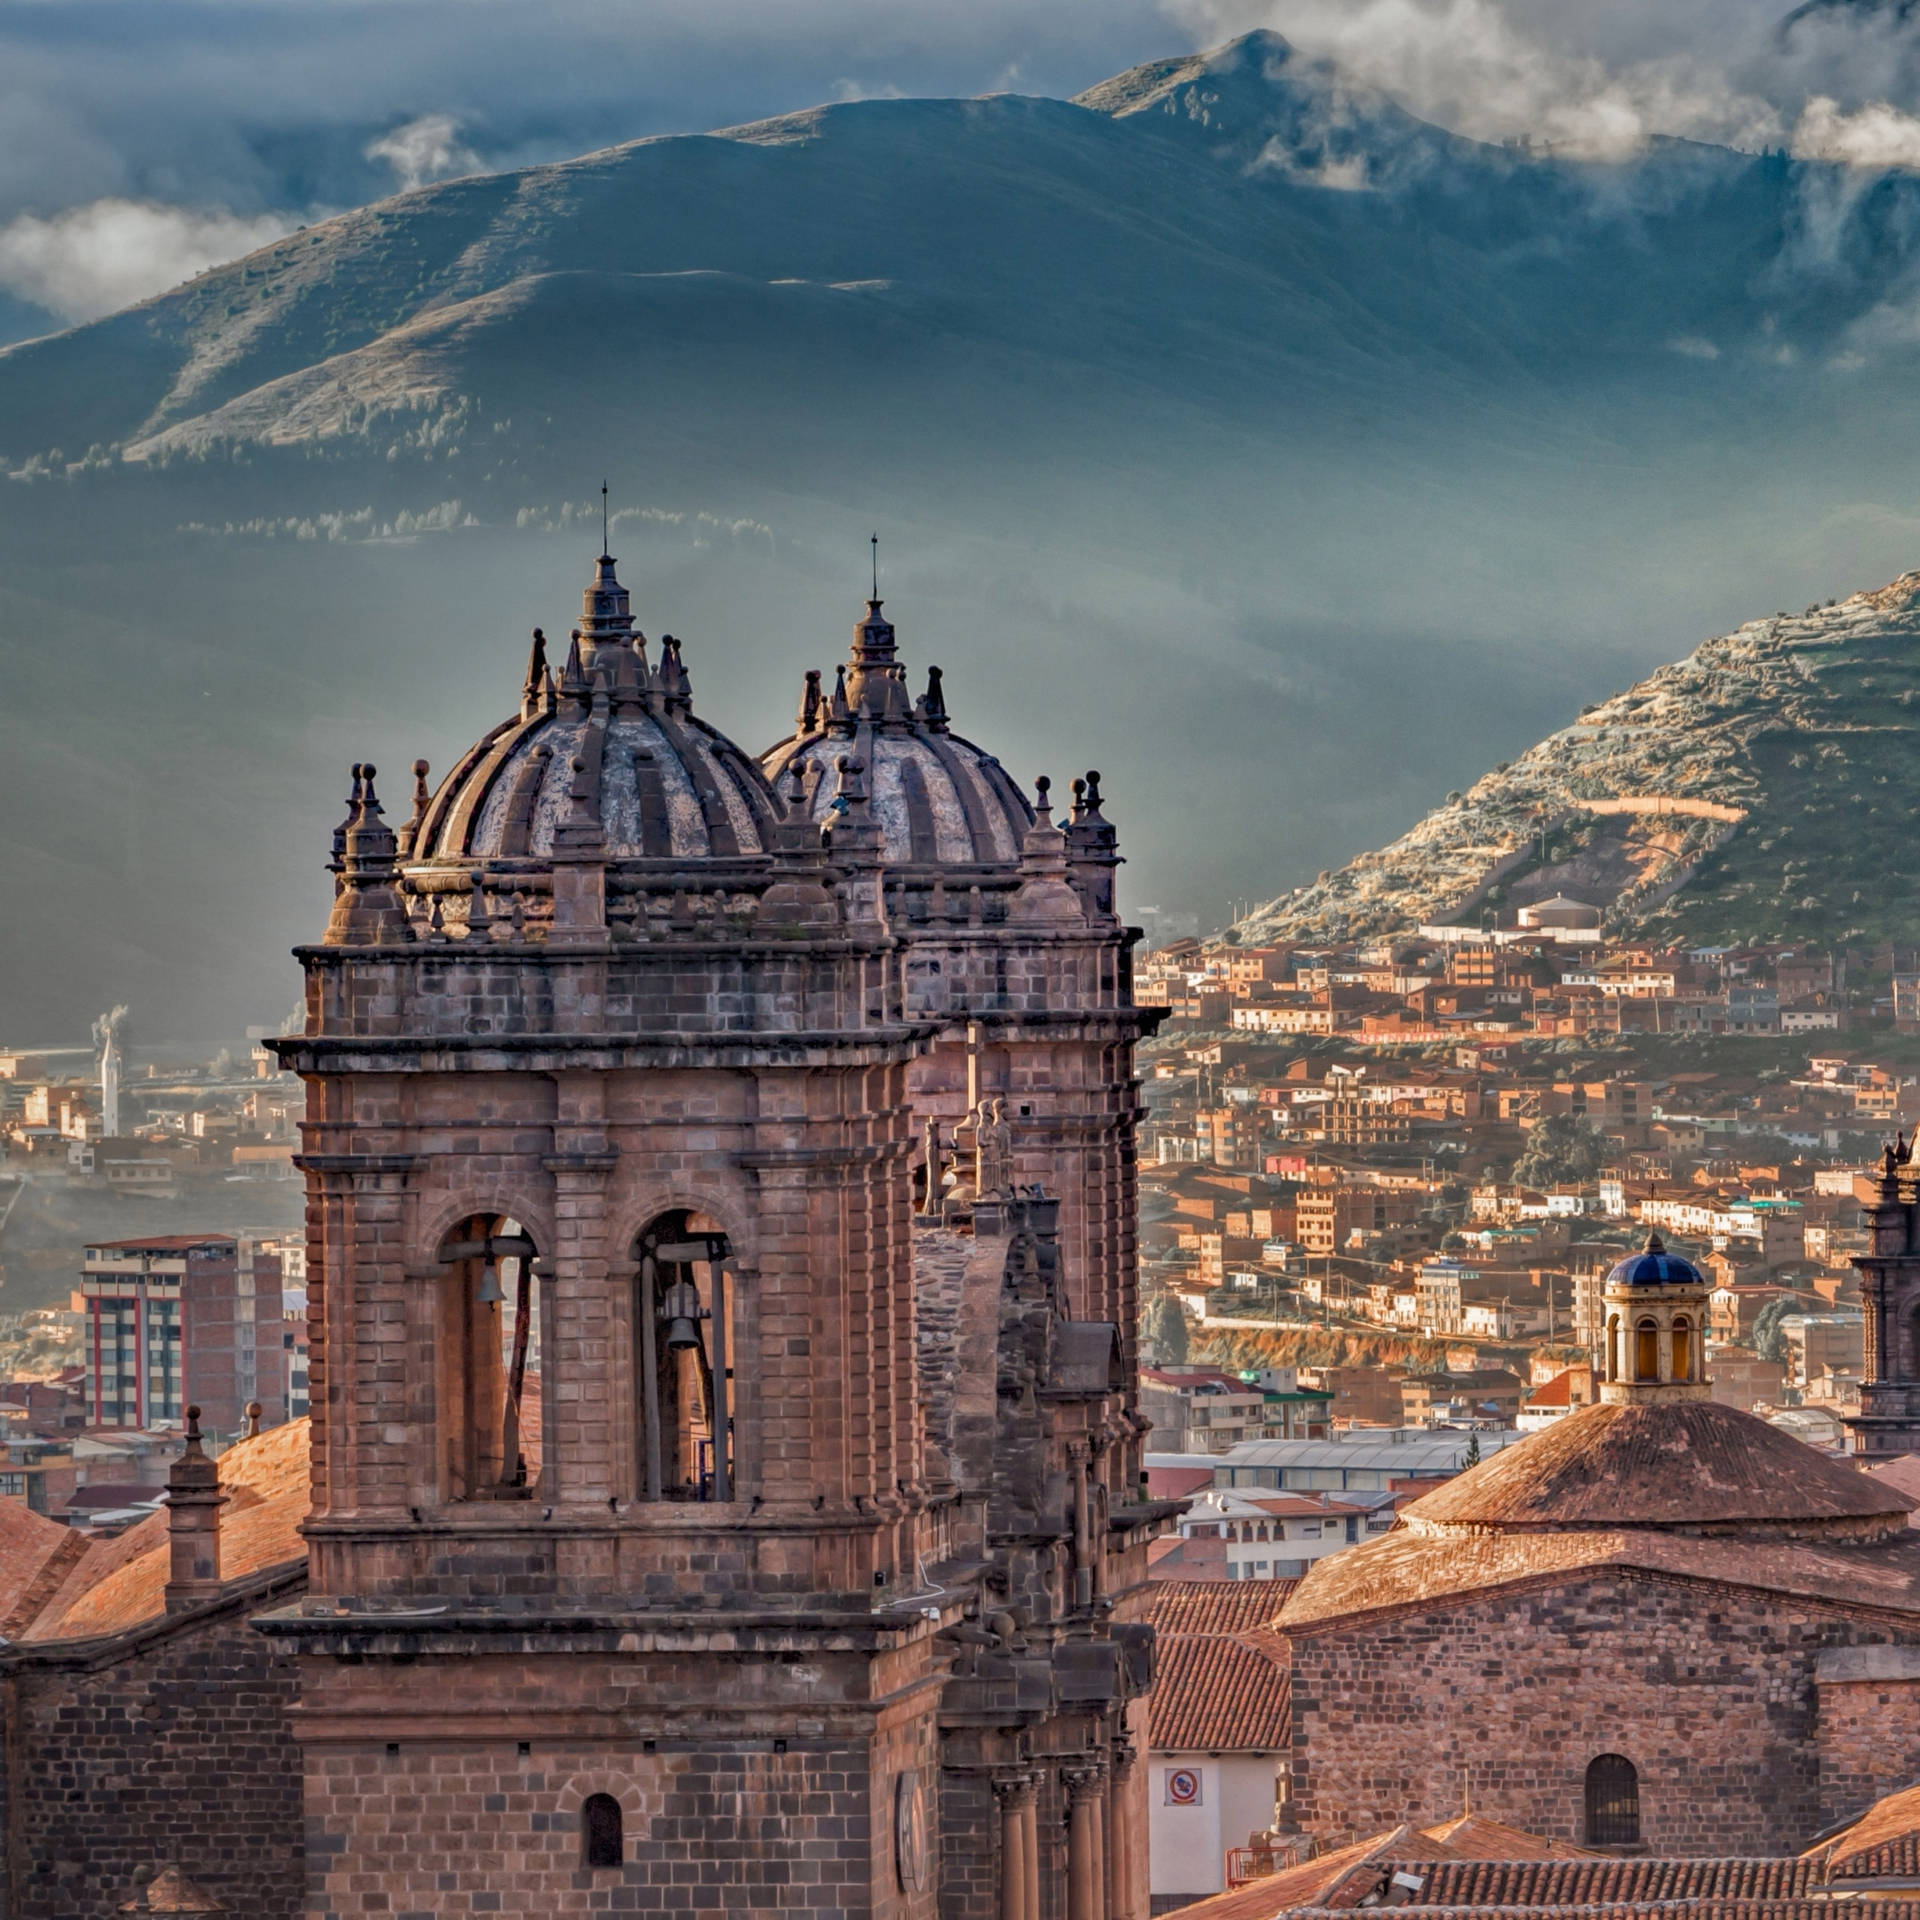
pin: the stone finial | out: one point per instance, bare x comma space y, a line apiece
534, 685
673, 682
1093, 793
1044, 895
194, 1501
808, 718
422, 799
933, 704
367, 908
255, 1411
339, 860
477, 923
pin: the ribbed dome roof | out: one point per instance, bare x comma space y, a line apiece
1655, 1267
939, 799
618, 730
1660, 1464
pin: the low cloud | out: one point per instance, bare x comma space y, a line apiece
425, 149
1876, 136
95, 259
1469, 66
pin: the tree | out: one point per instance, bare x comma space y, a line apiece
1472, 1456
1167, 1329
1564, 1150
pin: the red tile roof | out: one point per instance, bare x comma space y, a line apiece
120, 1583
1216, 1606
1885, 1840
1220, 1693
1594, 1881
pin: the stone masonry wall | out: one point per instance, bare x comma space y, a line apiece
478, 1828
1869, 1743
1709, 1691
175, 1749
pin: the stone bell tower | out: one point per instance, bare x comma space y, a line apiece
1888, 1422
1654, 1345
651, 1538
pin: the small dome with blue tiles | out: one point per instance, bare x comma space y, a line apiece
1656, 1267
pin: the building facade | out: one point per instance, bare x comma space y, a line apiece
179, 1319
787, 1109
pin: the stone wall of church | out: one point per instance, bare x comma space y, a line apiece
1869, 1741
169, 1746
790, 1828
1709, 1691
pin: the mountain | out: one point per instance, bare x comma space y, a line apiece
1227, 428
1756, 790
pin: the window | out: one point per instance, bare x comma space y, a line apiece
1646, 1351
1613, 1802
601, 1837
1683, 1349
683, 1307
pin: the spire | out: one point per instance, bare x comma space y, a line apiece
422, 799
367, 909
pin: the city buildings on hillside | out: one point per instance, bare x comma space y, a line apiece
175, 1320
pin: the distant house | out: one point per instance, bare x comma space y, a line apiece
1218, 1729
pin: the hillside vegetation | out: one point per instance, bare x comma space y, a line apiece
1758, 789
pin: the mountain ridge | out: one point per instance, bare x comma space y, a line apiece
1707, 791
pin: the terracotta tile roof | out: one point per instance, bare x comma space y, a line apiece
1663, 1464
1593, 1881
1885, 1840
1290, 1888
35, 1555
1705, 1907
1557, 1392
1902, 1474
1472, 1836
120, 1583
1220, 1693
1216, 1606
1404, 1569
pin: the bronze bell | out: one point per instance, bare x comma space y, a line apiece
681, 1310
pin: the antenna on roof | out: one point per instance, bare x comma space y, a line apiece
876, 566
605, 541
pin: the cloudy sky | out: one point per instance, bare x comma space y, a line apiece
143, 139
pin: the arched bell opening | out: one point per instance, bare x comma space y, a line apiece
683, 1313
1683, 1351
1646, 1351
1615, 1368
487, 1357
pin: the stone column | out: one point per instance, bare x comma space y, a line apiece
1086, 1872
1120, 1832
1015, 1795
1030, 1848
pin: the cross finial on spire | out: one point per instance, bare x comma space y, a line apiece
606, 539
875, 544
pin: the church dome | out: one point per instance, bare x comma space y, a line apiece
612, 739
1655, 1267
1677, 1465
939, 800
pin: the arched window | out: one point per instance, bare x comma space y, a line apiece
1613, 1347
1682, 1348
487, 1361
601, 1838
1613, 1802
1646, 1351
683, 1312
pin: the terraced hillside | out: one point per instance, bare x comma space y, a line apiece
1761, 788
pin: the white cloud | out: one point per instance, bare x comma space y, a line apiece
1467, 65
425, 149
1876, 136
97, 258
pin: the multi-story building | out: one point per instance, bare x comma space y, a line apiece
183, 1319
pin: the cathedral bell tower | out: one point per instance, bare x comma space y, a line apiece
720, 1504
